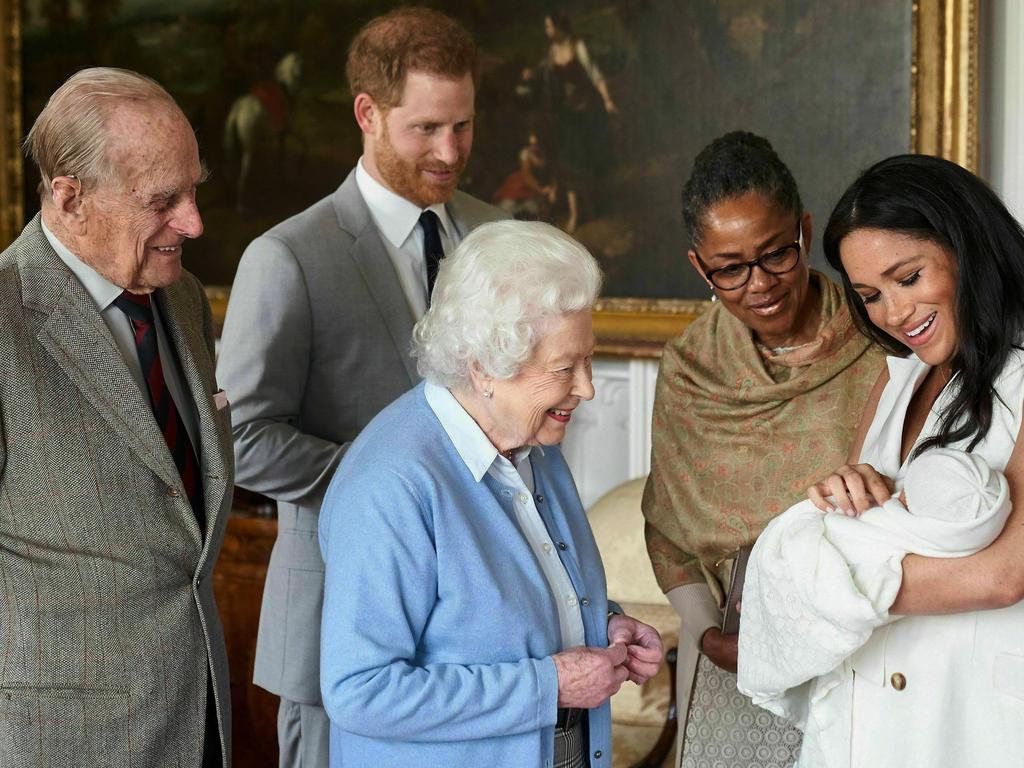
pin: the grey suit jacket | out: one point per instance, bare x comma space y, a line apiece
107, 616
316, 343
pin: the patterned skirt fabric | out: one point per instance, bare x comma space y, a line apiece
569, 747
725, 730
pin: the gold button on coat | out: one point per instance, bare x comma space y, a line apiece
899, 682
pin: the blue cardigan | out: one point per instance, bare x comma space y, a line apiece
438, 625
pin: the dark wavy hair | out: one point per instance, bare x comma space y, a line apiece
731, 166
938, 201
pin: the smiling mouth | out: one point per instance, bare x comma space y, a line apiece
768, 309
439, 175
559, 415
922, 327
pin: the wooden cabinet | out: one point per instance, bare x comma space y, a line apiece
238, 584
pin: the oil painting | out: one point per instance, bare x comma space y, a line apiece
589, 112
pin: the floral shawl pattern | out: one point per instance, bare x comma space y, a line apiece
739, 434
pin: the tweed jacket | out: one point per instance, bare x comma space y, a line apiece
316, 343
108, 625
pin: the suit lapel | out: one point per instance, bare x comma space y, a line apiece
374, 264
77, 338
467, 213
185, 334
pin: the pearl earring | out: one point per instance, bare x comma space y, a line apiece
488, 392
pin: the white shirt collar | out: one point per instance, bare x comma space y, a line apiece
100, 290
395, 216
469, 440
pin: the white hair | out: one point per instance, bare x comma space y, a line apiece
490, 295
69, 138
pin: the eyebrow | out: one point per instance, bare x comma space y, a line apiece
164, 194
892, 269
760, 247
572, 357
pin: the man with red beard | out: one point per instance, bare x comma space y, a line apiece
317, 334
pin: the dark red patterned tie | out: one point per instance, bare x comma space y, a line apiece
140, 311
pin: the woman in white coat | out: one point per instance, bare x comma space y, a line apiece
933, 265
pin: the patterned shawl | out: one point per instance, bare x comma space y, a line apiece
739, 434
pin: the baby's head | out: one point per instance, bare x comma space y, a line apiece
951, 485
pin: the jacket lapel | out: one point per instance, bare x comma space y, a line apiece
77, 338
182, 323
374, 264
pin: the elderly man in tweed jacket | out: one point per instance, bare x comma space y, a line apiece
115, 447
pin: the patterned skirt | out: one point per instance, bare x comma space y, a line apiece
725, 730
570, 751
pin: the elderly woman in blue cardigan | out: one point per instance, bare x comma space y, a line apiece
465, 620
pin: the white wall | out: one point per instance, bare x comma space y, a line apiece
1002, 107
609, 439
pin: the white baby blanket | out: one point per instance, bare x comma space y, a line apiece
818, 585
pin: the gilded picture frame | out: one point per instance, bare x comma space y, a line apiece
944, 91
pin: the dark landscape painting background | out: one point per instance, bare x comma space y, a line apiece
827, 81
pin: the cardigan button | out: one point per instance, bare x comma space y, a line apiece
898, 680
540, 498
562, 546
597, 755
585, 601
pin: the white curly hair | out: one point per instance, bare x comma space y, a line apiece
490, 294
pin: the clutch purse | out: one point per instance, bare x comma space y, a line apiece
731, 618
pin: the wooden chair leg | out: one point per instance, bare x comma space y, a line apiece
667, 739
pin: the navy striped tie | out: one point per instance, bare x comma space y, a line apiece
140, 311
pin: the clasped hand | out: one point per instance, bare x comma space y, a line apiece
587, 677
854, 488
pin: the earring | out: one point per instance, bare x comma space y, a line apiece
714, 296
488, 393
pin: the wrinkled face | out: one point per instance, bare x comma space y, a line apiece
908, 287
741, 229
422, 145
135, 225
535, 406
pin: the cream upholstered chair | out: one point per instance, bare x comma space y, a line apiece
643, 718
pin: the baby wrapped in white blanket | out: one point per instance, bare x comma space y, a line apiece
817, 585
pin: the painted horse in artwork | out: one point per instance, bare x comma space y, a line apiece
259, 117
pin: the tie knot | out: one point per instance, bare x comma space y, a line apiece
137, 306
429, 222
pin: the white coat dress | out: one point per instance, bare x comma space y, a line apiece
941, 691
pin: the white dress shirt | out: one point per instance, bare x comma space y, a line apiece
397, 220
482, 458
103, 293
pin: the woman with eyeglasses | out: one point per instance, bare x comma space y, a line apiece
755, 401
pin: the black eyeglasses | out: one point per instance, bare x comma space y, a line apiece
777, 262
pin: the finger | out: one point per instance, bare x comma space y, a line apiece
866, 486
620, 632
879, 486
644, 669
648, 636
816, 494
848, 488
643, 653
616, 653
833, 489
619, 676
